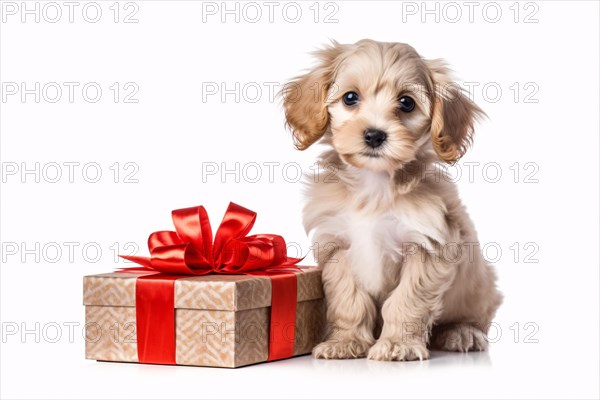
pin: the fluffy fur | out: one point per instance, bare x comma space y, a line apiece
404, 273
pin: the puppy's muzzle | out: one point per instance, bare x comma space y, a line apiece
374, 138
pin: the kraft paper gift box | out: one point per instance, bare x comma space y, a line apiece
220, 320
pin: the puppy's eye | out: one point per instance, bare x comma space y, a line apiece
350, 99
407, 104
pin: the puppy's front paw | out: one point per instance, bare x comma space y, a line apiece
398, 350
340, 349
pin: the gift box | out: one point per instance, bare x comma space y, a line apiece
220, 320
228, 302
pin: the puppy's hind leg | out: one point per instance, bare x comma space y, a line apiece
461, 337
351, 313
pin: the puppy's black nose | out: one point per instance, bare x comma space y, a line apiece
374, 137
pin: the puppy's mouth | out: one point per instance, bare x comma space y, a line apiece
371, 154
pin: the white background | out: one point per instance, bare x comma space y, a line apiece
544, 219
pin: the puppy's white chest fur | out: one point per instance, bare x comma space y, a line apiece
374, 252
368, 217
375, 232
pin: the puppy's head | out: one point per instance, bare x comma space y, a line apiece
382, 104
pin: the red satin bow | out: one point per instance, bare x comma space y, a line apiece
190, 250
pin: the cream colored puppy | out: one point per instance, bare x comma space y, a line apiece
401, 263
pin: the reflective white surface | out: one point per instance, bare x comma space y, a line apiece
507, 370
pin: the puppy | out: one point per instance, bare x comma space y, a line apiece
402, 270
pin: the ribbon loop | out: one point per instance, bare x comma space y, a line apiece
237, 223
193, 226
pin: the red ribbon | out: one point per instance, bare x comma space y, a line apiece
189, 251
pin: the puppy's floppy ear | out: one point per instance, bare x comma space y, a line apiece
304, 98
453, 114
